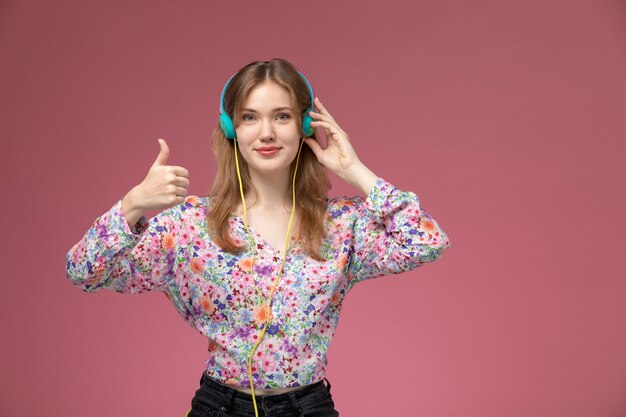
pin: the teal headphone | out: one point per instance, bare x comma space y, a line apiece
226, 123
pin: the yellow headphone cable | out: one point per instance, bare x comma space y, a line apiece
267, 303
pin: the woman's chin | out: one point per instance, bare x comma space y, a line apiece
269, 169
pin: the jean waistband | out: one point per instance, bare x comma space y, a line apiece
299, 393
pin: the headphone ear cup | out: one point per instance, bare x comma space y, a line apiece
307, 129
226, 124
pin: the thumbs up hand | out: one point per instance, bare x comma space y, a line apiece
164, 186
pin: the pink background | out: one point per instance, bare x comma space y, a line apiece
507, 119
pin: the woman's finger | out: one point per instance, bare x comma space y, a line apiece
328, 118
180, 171
319, 116
325, 118
181, 191
321, 123
182, 182
330, 129
320, 106
315, 147
327, 126
318, 123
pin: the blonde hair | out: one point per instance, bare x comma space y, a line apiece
312, 183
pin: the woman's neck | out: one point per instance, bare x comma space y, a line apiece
271, 191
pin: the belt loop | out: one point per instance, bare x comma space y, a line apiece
229, 397
294, 401
327, 384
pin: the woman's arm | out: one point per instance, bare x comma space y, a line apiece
391, 234
122, 250
113, 255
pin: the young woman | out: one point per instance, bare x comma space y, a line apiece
258, 271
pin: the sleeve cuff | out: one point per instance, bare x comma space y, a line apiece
116, 224
376, 198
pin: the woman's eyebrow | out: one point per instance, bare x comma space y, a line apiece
275, 110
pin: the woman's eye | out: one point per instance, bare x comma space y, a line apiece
282, 116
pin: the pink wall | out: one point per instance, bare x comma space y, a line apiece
506, 118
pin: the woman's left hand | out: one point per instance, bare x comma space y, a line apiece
339, 155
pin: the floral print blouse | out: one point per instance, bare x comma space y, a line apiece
213, 290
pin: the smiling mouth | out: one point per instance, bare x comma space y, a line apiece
267, 151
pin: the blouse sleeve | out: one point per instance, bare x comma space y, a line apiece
392, 234
111, 255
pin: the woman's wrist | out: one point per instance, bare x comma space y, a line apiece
131, 209
360, 177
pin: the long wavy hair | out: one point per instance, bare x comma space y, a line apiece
312, 183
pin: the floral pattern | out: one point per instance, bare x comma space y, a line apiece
213, 290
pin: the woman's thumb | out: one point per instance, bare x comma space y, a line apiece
163, 154
315, 147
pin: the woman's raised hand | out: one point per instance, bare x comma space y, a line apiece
165, 186
339, 155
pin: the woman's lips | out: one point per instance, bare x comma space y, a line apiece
268, 152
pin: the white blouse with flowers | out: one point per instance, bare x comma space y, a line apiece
213, 291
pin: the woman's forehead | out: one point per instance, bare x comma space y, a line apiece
267, 97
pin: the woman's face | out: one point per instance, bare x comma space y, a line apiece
267, 130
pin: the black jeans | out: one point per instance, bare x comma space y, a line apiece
213, 399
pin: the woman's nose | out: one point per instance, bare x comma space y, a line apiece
267, 130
